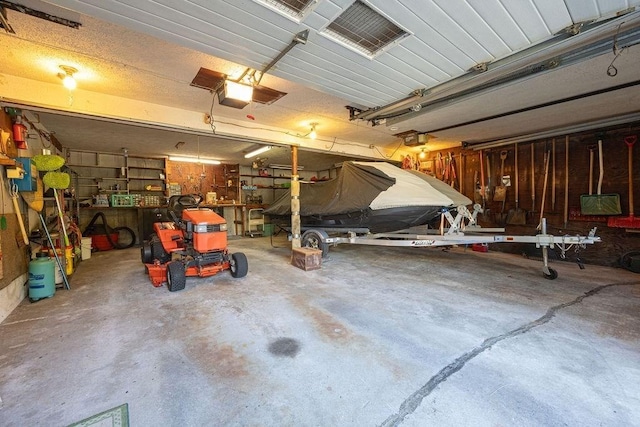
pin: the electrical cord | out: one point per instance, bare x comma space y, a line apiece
612, 71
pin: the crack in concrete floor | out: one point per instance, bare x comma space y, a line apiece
411, 403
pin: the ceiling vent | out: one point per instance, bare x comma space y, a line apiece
365, 30
213, 80
296, 9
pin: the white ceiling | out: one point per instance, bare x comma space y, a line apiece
151, 51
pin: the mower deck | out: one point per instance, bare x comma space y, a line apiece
158, 272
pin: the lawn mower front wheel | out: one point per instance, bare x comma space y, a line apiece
239, 265
176, 277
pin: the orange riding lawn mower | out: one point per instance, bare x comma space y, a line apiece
194, 244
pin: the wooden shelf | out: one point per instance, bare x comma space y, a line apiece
74, 165
146, 179
146, 168
5, 161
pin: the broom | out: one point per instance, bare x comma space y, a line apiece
55, 180
35, 201
58, 180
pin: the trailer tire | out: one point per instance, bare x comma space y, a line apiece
239, 265
552, 274
626, 261
176, 277
316, 239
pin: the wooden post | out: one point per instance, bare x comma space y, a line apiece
295, 200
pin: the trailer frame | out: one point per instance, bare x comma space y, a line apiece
463, 229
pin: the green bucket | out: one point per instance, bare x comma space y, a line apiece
268, 229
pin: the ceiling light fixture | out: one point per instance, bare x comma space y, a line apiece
234, 94
257, 151
422, 154
194, 160
68, 80
313, 134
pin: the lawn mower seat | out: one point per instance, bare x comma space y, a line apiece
179, 203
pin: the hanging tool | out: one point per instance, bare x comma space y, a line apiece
499, 193
13, 191
631, 221
483, 189
547, 156
35, 201
533, 176
553, 174
3, 218
55, 252
516, 216
566, 180
592, 148
477, 191
463, 164
600, 204
452, 170
439, 166
488, 187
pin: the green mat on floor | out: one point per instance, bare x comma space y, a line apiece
114, 417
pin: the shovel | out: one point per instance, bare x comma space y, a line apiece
544, 188
600, 204
516, 216
477, 192
500, 192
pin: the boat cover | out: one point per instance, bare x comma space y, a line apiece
373, 185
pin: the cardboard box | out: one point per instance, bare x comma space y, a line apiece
307, 258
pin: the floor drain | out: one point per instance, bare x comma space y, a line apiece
284, 347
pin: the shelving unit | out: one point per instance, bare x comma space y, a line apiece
231, 181
147, 177
97, 173
117, 173
256, 182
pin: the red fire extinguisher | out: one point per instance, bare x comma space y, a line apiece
20, 134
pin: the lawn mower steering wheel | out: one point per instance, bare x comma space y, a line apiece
188, 201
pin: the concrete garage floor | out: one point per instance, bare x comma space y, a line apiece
400, 336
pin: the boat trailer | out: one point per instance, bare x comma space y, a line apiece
463, 229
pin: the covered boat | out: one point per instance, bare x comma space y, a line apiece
376, 196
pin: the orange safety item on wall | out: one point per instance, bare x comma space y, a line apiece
20, 135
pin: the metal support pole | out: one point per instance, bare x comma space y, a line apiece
545, 248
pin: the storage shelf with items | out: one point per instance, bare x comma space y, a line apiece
253, 183
97, 175
147, 180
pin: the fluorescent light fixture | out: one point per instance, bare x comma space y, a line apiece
257, 151
234, 94
274, 166
194, 160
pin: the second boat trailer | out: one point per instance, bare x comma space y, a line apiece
461, 230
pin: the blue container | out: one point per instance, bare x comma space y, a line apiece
42, 278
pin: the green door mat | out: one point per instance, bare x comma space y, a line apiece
114, 417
